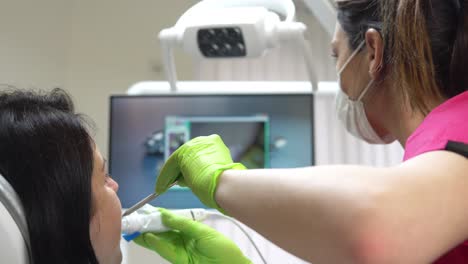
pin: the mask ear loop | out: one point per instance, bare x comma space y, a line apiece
351, 57
365, 90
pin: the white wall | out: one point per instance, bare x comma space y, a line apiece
91, 48
113, 45
34, 42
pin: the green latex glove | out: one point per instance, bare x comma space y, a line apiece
191, 242
198, 164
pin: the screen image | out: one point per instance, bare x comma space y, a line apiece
246, 137
261, 131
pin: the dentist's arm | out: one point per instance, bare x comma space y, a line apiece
346, 214
412, 213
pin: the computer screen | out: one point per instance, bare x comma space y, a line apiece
261, 131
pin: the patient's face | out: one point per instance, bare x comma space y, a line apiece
105, 223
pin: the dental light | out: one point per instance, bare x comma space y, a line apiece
215, 29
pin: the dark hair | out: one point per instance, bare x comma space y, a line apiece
47, 155
426, 43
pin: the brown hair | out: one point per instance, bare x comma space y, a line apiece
426, 44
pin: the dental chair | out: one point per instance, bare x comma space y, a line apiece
14, 243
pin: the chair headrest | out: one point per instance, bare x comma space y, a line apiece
15, 245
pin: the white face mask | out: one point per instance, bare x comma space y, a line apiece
352, 114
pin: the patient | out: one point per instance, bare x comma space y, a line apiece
50, 159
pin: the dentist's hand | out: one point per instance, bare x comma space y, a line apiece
191, 242
198, 164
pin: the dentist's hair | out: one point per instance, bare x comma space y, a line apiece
46, 154
426, 44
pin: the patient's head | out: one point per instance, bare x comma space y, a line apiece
48, 156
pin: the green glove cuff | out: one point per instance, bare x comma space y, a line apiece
216, 178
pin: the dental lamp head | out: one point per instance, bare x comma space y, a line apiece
232, 29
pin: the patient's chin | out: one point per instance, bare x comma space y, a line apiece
119, 257
116, 259
110, 258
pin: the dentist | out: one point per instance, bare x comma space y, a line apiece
402, 72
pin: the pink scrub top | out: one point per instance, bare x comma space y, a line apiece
447, 122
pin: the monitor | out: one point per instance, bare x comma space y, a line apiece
260, 130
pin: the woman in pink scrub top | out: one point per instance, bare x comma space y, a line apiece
403, 71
